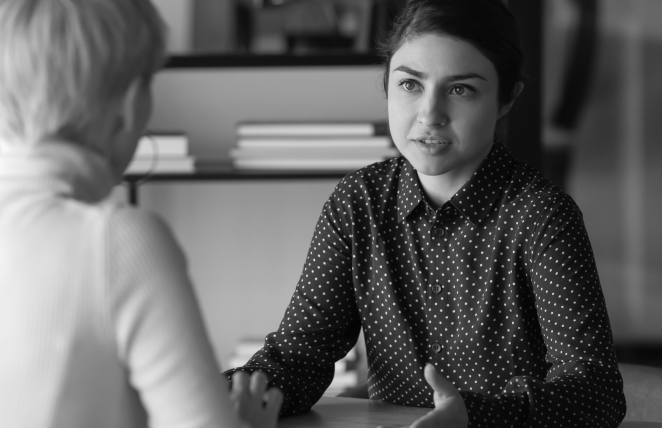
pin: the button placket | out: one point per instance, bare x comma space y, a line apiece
437, 234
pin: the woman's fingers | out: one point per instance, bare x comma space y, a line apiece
273, 399
254, 403
240, 382
442, 387
255, 388
258, 383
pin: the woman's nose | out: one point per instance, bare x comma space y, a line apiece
433, 111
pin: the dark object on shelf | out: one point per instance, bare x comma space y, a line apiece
302, 43
330, 37
275, 60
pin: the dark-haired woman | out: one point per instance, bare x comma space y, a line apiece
471, 275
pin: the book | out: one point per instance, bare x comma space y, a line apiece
310, 152
315, 142
161, 165
309, 129
163, 144
314, 164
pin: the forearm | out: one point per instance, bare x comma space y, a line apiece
504, 410
583, 384
584, 395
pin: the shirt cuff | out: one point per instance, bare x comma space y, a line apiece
506, 410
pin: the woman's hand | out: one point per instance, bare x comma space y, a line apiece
253, 403
449, 409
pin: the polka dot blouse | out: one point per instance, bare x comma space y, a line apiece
497, 288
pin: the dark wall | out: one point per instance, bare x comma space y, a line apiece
523, 128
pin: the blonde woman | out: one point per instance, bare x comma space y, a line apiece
98, 321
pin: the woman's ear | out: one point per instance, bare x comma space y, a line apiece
129, 107
506, 107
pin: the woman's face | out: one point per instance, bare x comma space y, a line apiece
442, 105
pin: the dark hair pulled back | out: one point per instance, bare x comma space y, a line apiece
488, 25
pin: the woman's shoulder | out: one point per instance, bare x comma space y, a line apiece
530, 190
530, 182
128, 225
137, 242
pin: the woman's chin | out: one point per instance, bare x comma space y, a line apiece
429, 165
431, 171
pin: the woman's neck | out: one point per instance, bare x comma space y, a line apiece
439, 189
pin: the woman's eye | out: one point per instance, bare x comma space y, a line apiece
460, 90
409, 85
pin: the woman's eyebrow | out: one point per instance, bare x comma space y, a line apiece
415, 73
453, 78
465, 76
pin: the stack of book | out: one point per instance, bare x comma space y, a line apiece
310, 146
346, 373
162, 153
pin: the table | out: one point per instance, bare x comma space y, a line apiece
336, 412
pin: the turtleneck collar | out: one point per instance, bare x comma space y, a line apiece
67, 168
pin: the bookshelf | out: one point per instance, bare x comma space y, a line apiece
134, 181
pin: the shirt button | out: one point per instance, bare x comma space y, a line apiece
439, 231
436, 347
436, 289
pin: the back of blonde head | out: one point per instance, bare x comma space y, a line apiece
63, 62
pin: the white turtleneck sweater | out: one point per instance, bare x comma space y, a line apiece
99, 326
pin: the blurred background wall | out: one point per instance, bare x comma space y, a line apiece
615, 172
247, 241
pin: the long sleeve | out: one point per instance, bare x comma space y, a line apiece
157, 327
583, 386
321, 323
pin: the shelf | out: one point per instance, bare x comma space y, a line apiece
278, 60
237, 175
135, 180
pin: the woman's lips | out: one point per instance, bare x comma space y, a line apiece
432, 141
431, 146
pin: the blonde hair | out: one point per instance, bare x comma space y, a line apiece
63, 62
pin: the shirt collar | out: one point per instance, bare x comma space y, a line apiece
410, 194
474, 199
67, 168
